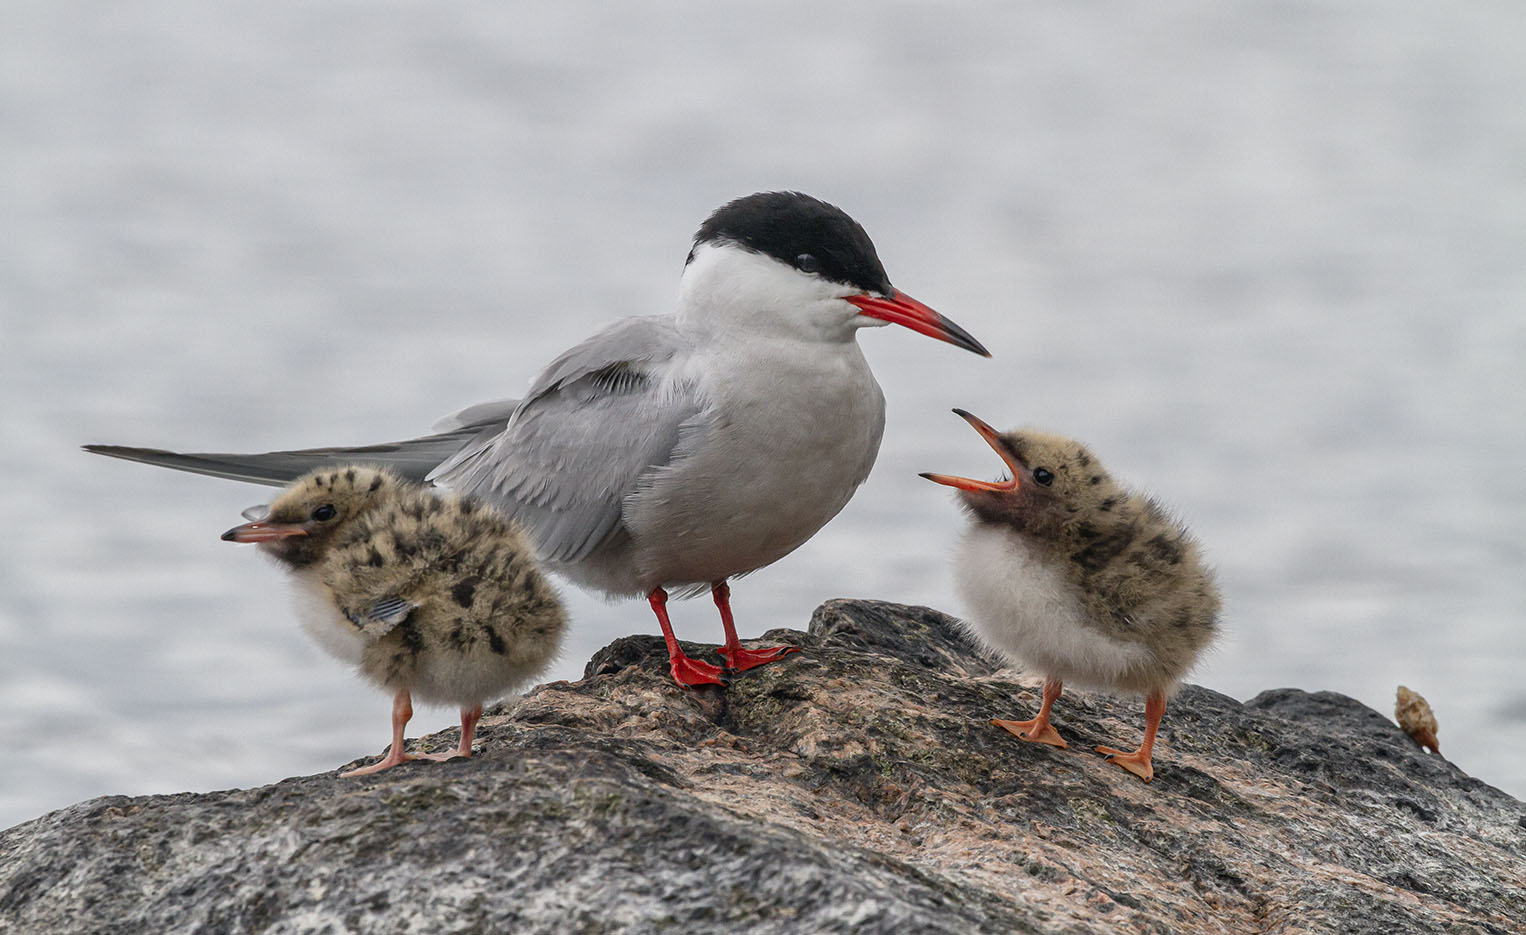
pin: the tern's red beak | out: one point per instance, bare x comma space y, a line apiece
902, 309
263, 532
992, 438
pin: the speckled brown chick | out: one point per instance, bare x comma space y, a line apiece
430, 596
1070, 574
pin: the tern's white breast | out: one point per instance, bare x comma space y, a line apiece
792, 430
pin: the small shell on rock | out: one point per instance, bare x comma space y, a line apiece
1415, 717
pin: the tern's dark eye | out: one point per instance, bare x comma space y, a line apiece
324, 513
807, 263
1043, 476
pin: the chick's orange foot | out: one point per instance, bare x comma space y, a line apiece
1036, 730
1135, 761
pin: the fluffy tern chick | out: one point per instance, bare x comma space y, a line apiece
428, 595
1067, 572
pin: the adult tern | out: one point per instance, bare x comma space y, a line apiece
677, 451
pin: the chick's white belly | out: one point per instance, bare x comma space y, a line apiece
323, 621
467, 679
1023, 606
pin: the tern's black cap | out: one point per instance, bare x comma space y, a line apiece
802, 232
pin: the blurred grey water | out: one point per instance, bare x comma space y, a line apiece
1265, 257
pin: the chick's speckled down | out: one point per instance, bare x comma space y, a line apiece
470, 577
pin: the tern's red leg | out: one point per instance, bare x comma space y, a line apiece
1138, 762
737, 658
685, 671
402, 710
1038, 730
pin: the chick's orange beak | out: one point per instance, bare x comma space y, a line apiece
966, 483
263, 532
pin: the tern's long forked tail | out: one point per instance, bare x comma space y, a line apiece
412, 459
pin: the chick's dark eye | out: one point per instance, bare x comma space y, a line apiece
324, 513
1043, 476
807, 263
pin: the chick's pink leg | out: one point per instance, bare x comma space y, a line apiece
469, 721
402, 710
1038, 730
1138, 762
737, 658
469, 717
686, 671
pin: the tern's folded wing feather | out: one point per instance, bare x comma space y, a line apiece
600, 418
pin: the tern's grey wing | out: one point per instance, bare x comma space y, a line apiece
595, 422
413, 459
482, 414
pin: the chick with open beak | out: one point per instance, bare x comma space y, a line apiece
1070, 574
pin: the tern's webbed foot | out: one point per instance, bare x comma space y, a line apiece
692, 672
741, 659
1037, 730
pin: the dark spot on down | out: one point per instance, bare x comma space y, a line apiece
375, 483
1108, 504
1166, 549
374, 559
495, 642
349, 475
465, 590
1095, 479
409, 634
1095, 556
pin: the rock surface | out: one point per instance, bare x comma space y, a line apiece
855, 787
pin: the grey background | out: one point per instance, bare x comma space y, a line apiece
1265, 257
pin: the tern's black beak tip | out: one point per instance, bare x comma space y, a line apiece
961, 338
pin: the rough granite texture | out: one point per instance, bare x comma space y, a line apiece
855, 787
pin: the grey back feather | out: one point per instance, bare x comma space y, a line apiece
597, 420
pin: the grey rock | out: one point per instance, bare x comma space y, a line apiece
855, 787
